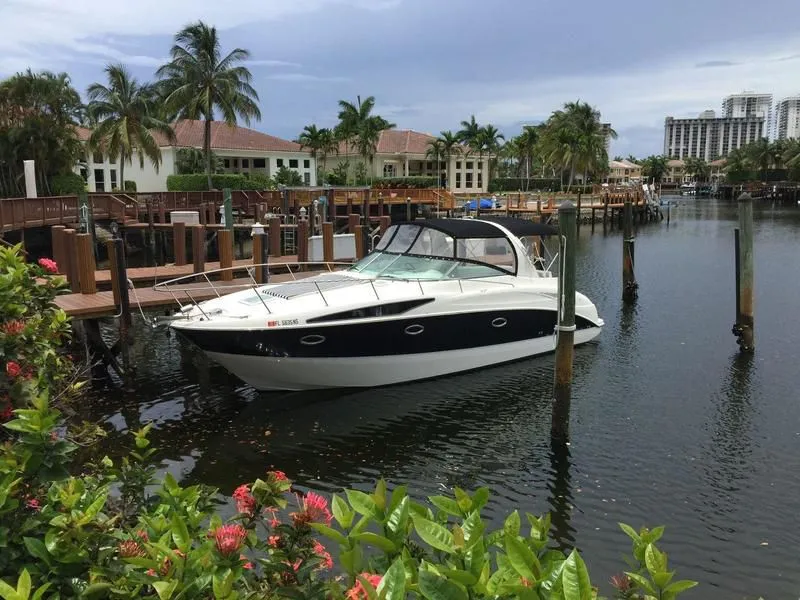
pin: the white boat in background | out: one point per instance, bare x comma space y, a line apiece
435, 297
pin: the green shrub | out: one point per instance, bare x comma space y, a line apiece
130, 186
286, 176
198, 182
68, 184
406, 182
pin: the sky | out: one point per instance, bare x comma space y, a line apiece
433, 63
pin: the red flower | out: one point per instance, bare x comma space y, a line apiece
29, 373
180, 554
142, 535
48, 265
277, 475
7, 414
319, 550
357, 592
13, 327
247, 564
33, 504
274, 540
621, 583
13, 369
245, 502
315, 509
274, 521
229, 538
130, 549
150, 572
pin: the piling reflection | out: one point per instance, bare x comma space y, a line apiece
559, 486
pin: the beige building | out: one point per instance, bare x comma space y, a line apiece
403, 153
710, 137
675, 171
623, 171
241, 150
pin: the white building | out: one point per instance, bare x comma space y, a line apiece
403, 153
749, 104
710, 137
787, 120
241, 151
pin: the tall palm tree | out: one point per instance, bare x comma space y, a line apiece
312, 138
198, 81
469, 131
125, 124
490, 141
435, 151
360, 128
450, 147
696, 168
761, 156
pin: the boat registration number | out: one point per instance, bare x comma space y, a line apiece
283, 323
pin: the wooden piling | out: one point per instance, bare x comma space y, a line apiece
275, 236
71, 260
86, 264
565, 328
744, 328
629, 285
119, 282
162, 212
225, 244
327, 241
385, 223
331, 196
179, 242
57, 242
359, 238
261, 257
578, 217
365, 224
198, 248
302, 241
227, 208
408, 209
352, 222
380, 204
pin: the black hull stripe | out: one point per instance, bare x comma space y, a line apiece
411, 335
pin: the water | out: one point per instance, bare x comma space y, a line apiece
669, 424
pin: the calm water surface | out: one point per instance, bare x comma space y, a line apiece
669, 425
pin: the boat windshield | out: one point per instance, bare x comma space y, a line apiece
415, 252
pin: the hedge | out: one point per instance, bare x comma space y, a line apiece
198, 182
516, 184
406, 182
130, 186
67, 184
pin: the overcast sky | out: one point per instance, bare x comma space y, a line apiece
432, 63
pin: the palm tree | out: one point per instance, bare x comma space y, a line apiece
696, 168
490, 142
435, 151
360, 128
198, 81
761, 156
450, 147
737, 166
654, 167
312, 138
124, 120
469, 131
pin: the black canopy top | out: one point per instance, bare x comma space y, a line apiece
484, 228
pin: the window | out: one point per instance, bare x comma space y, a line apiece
279, 162
389, 170
458, 164
227, 163
236, 163
429, 166
245, 163
113, 174
469, 165
469, 180
259, 163
306, 164
99, 180
97, 157
458, 180
480, 180
292, 163
307, 178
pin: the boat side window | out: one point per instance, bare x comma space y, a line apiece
386, 238
432, 242
404, 238
493, 251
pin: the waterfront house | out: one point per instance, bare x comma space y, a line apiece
676, 173
240, 150
404, 153
623, 171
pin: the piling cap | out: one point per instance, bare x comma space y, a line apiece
566, 206
745, 197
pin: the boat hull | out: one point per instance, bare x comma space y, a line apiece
269, 373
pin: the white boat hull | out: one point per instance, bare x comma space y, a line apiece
294, 374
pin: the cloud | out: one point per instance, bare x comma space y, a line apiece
715, 63
260, 62
306, 78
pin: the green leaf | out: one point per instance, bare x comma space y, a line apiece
679, 586
165, 589
434, 535
40, 591
463, 499
398, 493
376, 540
97, 591
329, 533
480, 498
642, 582
342, 512
363, 503
7, 592
393, 584
223, 583
24, 585
447, 505
656, 533
37, 549
629, 531
522, 559
462, 577
435, 587
575, 578
380, 494
473, 528
655, 561
512, 524
371, 593
351, 560
398, 518
180, 533
662, 579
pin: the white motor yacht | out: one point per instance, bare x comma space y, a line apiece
435, 297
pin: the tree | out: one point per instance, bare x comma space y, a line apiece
450, 147
761, 156
125, 124
312, 138
469, 131
287, 176
655, 167
198, 81
696, 168
489, 142
435, 151
39, 113
737, 166
192, 160
360, 128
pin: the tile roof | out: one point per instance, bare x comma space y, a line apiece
397, 141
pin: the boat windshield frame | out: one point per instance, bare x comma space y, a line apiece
384, 248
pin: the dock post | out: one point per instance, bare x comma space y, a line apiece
327, 242
225, 244
578, 216
179, 242
71, 260
119, 287
352, 222
302, 243
408, 209
385, 223
332, 206
261, 257
275, 237
744, 327
57, 242
565, 327
228, 209
359, 239
365, 225
86, 264
199, 248
380, 204
629, 285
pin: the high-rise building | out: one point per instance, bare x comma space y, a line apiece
710, 137
787, 120
749, 104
